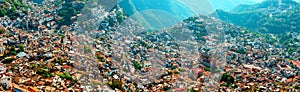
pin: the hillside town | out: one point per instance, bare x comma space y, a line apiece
39, 54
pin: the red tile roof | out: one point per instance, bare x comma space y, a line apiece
296, 62
65, 66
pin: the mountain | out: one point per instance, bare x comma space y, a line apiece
228, 5
13, 8
157, 14
266, 4
270, 16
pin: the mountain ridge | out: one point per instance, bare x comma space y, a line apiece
267, 17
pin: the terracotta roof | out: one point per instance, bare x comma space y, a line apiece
102, 56
33, 89
65, 66
41, 83
207, 73
290, 80
201, 70
206, 37
43, 27
296, 62
261, 79
109, 59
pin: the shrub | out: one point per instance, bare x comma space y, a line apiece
2, 13
296, 87
13, 53
46, 11
21, 47
2, 30
227, 78
176, 72
8, 60
206, 69
87, 49
116, 84
137, 65
241, 51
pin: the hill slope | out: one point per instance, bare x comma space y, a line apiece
228, 5
267, 17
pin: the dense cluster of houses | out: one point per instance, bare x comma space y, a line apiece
38, 56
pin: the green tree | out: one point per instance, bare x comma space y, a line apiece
100, 59
296, 87
2, 13
21, 47
176, 72
120, 17
241, 51
87, 49
116, 84
207, 69
228, 79
67, 12
13, 53
137, 65
2, 30
46, 11
8, 60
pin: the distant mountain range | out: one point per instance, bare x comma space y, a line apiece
283, 4
269, 16
228, 5
158, 14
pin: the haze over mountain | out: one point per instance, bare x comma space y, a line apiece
228, 5
269, 16
156, 14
